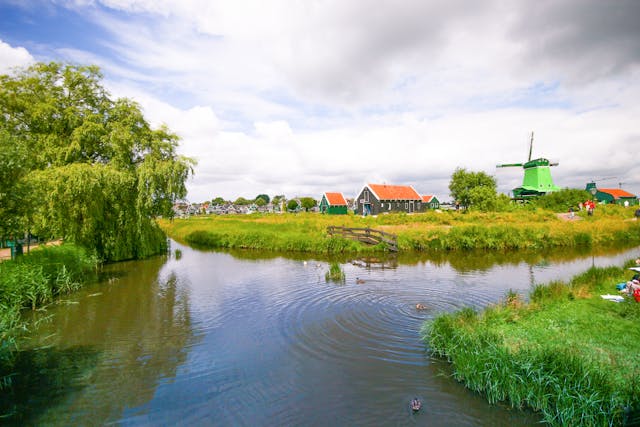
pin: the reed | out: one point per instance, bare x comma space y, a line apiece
335, 273
567, 353
432, 231
34, 280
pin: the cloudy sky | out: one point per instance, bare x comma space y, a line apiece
301, 97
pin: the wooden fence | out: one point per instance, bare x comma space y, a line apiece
369, 236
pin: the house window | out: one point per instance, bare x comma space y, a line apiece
406, 205
389, 205
366, 195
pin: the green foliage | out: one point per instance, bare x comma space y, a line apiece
218, 201
241, 201
561, 201
483, 198
308, 203
263, 197
82, 166
435, 232
292, 205
551, 355
335, 273
473, 189
260, 202
37, 279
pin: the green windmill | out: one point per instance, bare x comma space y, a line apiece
537, 177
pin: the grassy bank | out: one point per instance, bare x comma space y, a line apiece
567, 353
35, 280
432, 231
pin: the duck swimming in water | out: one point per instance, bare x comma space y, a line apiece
359, 281
421, 307
416, 404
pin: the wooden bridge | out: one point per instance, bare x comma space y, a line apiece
367, 235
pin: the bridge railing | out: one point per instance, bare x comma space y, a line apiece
366, 235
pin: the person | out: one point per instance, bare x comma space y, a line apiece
626, 203
632, 286
571, 213
637, 214
589, 205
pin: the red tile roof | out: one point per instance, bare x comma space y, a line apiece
335, 199
616, 193
427, 199
394, 192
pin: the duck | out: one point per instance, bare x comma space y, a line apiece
359, 281
416, 404
421, 306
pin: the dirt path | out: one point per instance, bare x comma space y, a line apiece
5, 253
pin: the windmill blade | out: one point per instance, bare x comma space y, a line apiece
554, 164
530, 146
508, 165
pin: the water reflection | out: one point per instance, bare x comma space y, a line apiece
111, 345
461, 261
246, 338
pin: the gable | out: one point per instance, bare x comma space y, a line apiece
335, 199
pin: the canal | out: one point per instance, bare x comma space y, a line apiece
254, 339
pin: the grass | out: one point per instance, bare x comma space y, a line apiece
566, 352
335, 273
32, 281
431, 231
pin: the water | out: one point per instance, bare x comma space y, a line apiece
255, 339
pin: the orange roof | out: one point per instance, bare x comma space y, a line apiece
335, 199
427, 199
616, 193
394, 192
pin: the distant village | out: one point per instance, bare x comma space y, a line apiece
373, 199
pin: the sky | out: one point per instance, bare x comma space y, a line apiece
301, 97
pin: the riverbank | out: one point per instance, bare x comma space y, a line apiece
35, 280
431, 231
567, 352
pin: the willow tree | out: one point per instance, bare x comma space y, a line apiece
84, 166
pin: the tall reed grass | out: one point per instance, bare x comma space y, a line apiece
35, 280
432, 231
567, 353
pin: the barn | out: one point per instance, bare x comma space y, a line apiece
375, 199
333, 204
612, 195
431, 202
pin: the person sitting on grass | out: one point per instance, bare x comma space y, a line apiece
632, 285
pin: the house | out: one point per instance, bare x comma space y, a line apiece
431, 202
375, 199
333, 204
612, 195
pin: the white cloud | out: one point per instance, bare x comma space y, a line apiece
11, 57
304, 97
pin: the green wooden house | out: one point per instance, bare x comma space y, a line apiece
431, 202
333, 204
612, 195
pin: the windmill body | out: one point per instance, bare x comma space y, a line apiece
537, 177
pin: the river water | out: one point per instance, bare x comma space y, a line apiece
250, 339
